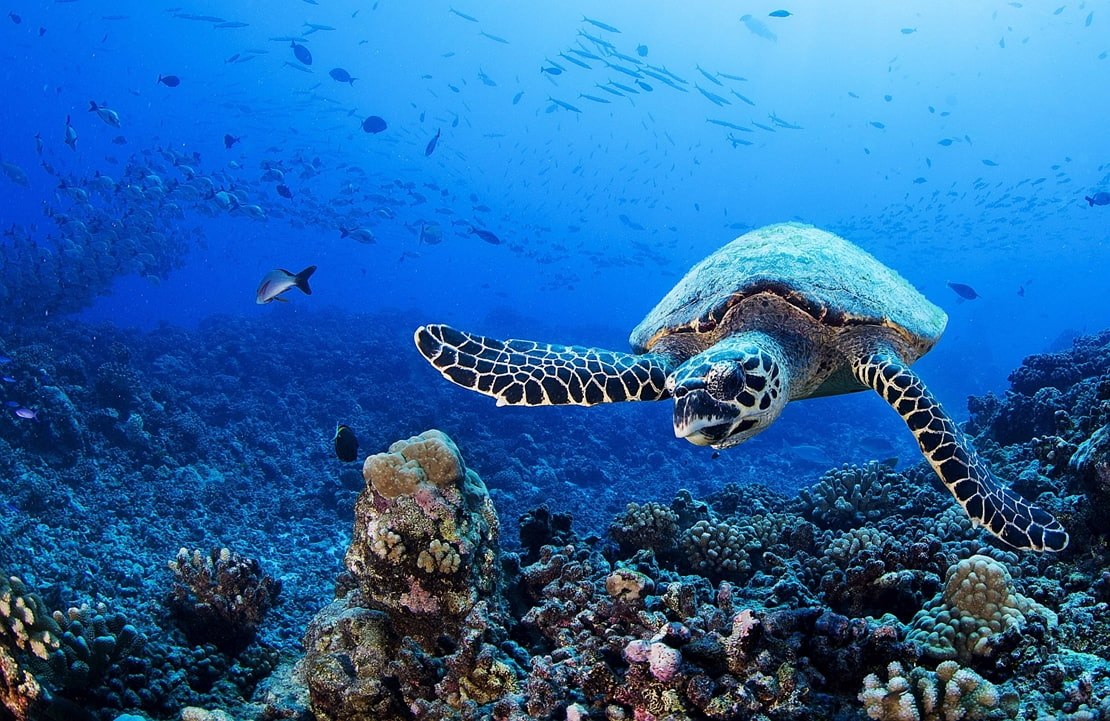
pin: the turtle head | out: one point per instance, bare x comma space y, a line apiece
725, 395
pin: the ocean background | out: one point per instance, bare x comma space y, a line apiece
954, 141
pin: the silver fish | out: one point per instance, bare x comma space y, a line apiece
278, 281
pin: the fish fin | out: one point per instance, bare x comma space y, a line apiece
1090, 201
301, 279
94, 107
279, 299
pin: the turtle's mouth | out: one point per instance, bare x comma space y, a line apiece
706, 422
700, 420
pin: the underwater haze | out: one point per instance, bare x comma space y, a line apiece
172, 390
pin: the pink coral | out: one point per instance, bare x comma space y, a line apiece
663, 661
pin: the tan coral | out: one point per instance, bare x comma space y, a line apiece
978, 601
949, 693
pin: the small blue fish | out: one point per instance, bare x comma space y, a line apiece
642, 50
1100, 198
12, 404
8, 379
431, 147
780, 14
990, 163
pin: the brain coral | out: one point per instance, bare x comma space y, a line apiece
977, 602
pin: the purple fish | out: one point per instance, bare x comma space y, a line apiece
27, 413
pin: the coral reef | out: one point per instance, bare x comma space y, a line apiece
967, 618
949, 692
415, 618
221, 596
438, 616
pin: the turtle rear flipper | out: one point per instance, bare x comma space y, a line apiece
526, 373
987, 502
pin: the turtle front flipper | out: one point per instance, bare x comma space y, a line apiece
986, 501
526, 373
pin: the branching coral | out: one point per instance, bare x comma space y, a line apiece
222, 596
848, 496
651, 526
948, 694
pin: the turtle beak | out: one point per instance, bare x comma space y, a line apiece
701, 419
705, 421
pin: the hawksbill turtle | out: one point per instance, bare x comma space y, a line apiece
782, 313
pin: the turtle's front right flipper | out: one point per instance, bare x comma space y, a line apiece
526, 373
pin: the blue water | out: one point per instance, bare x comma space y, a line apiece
955, 141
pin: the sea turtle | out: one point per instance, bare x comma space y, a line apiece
782, 313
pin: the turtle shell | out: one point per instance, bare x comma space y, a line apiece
833, 282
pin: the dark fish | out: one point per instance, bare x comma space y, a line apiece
463, 15
642, 50
964, 291
629, 222
284, 191
779, 14
599, 24
517, 97
71, 136
15, 18
301, 52
495, 38
877, 124
990, 163
431, 147
561, 104
552, 70
485, 235
109, 116
1021, 291
119, 140
346, 444
946, 142
342, 76
278, 281
431, 233
230, 140
170, 81
716, 455
373, 124
1100, 198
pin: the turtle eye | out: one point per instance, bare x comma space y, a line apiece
725, 381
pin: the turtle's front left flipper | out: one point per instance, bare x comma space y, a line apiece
526, 373
1002, 511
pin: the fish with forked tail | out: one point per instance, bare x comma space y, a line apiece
278, 281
